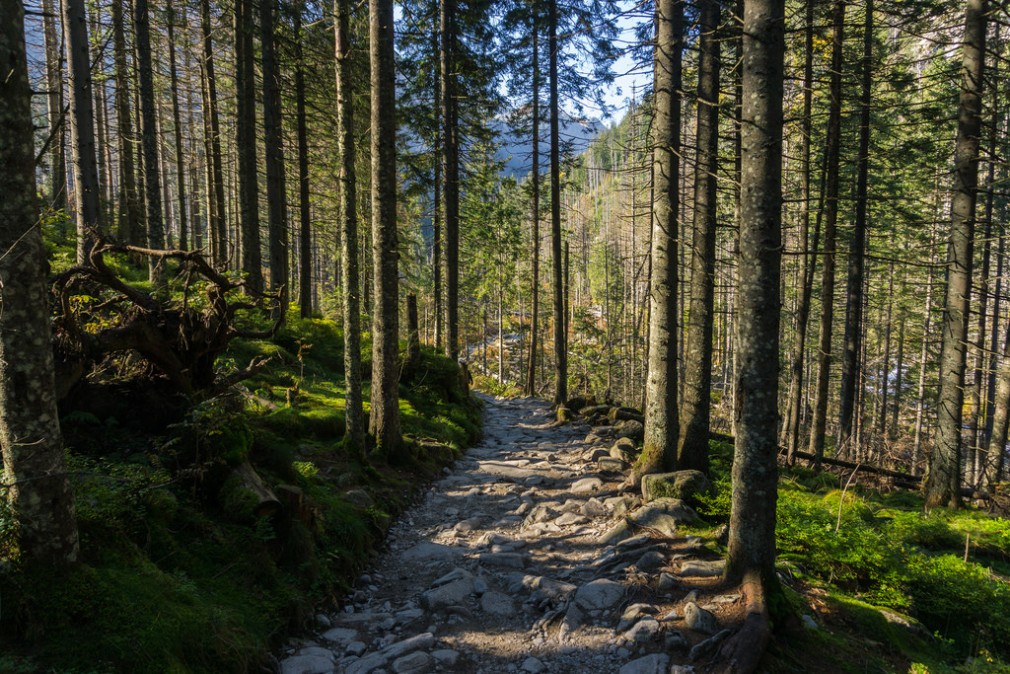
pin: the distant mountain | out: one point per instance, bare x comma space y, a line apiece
517, 150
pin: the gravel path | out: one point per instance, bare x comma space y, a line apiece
527, 557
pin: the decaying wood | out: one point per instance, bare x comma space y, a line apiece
180, 338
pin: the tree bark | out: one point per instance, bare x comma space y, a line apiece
450, 149
354, 433
385, 413
560, 343
661, 430
692, 452
755, 471
943, 478
830, 206
55, 113
857, 246
215, 175
82, 138
184, 233
148, 107
245, 128
38, 489
531, 369
304, 207
273, 144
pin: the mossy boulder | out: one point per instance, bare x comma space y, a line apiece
682, 484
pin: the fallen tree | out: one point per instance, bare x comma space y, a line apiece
179, 329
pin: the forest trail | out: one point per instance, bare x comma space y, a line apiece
526, 557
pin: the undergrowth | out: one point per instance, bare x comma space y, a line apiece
185, 566
867, 550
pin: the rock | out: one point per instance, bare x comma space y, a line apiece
682, 484
323, 621
340, 635
593, 508
663, 515
592, 412
359, 497
429, 552
449, 594
469, 524
631, 429
653, 560
355, 648
625, 414
708, 646
809, 622
623, 449
417, 662
599, 594
666, 582
586, 486
632, 614
611, 465
703, 568
597, 454
670, 615
479, 586
572, 621
446, 657
698, 619
643, 631
675, 640
616, 533
407, 616
533, 666
511, 560
570, 519
655, 663
618, 504
307, 664
578, 403
497, 603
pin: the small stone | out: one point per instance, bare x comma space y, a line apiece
675, 640
664, 515
323, 621
359, 497
511, 560
609, 464
571, 519
340, 635
417, 662
666, 582
446, 657
497, 603
650, 561
632, 614
703, 568
809, 622
408, 616
643, 631
616, 533
599, 594
631, 429
656, 663
586, 485
593, 508
699, 620
307, 664
533, 666
479, 586
670, 615
597, 454
355, 648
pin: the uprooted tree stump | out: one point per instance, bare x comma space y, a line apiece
98, 315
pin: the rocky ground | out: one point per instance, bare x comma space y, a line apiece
529, 556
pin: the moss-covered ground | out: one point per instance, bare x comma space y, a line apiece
185, 568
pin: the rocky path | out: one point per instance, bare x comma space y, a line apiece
528, 557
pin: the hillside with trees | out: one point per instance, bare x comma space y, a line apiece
269, 269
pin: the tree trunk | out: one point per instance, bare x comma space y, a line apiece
82, 139
886, 367
436, 161
215, 175
857, 246
661, 429
385, 414
54, 102
531, 369
304, 207
806, 273
148, 107
450, 121
920, 405
245, 128
184, 234
693, 450
273, 144
38, 490
348, 217
560, 343
942, 484
755, 471
830, 206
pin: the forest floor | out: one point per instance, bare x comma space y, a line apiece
525, 557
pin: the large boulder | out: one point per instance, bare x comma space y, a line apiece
624, 449
663, 515
682, 484
631, 429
